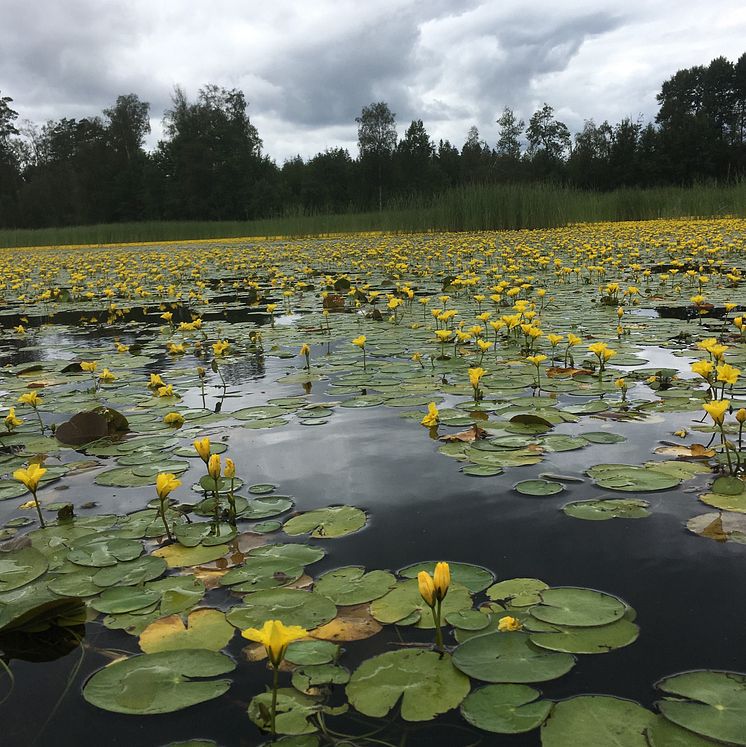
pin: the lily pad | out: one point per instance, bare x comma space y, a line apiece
334, 521
517, 592
474, 577
204, 629
159, 683
352, 585
588, 640
20, 567
505, 709
605, 509
291, 606
404, 605
631, 478
426, 683
709, 703
578, 607
294, 711
539, 487
598, 720
510, 657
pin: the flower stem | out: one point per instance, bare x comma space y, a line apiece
38, 509
275, 677
163, 516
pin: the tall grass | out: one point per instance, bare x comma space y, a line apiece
470, 208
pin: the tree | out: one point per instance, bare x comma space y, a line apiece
9, 173
376, 138
547, 135
414, 156
211, 157
509, 140
129, 123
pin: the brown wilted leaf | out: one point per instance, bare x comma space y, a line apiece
682, 451
559, 371
351, 624
468, 436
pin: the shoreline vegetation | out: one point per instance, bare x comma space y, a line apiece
466, 208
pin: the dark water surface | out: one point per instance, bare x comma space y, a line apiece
687, 591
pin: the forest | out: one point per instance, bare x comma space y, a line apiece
210, 166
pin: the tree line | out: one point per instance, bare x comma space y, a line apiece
210, 165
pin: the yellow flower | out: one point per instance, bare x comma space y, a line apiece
741, 415
718, 351
483, 345
432, 418
213, 466
122, 348
202, 446
173, 418
275, 636
441, 580
620, 384
230, 468
30, 477
220, 347
304, 349
573, 340
176, 348
475, 375
702, 368
728, 374
536, 360
417, 357
555, 339
508, 624
165, 482
707, 343
89, 366
31, 399
271, 307
426, 587
359, 341
156, 381
598, 348
717, 409
11, 421
167, 315
106, 375
20, 329
443, 334
620, 312
166, 391
730, 306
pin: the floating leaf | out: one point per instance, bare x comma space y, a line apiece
205, 628
291, 606
588, 640
629, 477
404, 605
539, 487
517, 592
605, 509
505, 709
294, 711
510, 657
709, 703
721, 527
352, 585
335, 521
20, 567
178, 556
158, 683
598, 720
308, 652
426, 682
578, 607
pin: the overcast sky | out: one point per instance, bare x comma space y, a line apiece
307, 68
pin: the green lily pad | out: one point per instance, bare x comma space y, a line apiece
517, 592
204, 629
709, 703
578, 607
294, 711
335, 521
539, 487
316, 675
307, 653
510, 657
588, 640
632, 478
605, 509
265, 506
664, 733
600, 720
20, 567
103, 551
131, 572
124, 599
261, 488
505, 709
258, 573
159, 683
352, 585
603, 437
291, 606
426, 683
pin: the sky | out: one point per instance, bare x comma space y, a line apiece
308, 68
